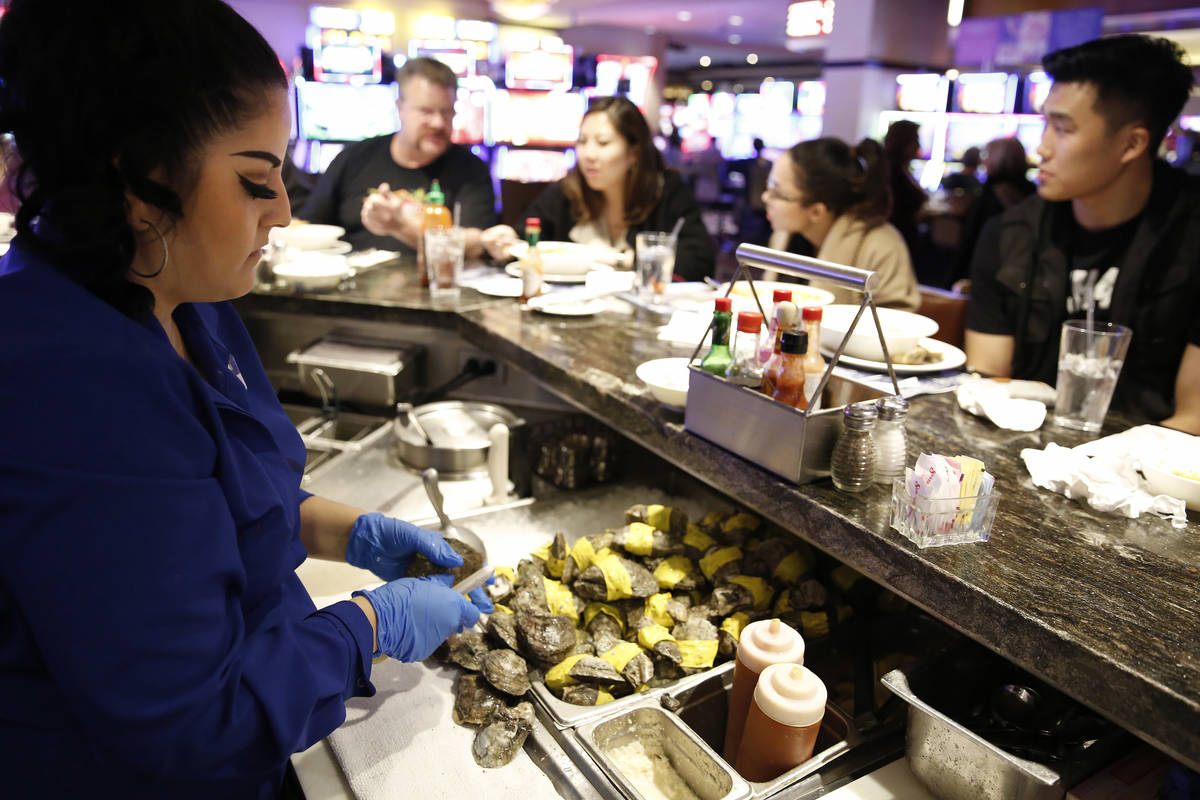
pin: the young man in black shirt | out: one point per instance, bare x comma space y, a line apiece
396, 165
1110, 222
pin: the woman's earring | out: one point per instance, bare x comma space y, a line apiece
161, 240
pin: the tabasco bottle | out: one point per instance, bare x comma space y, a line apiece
718, 357
531, 263
789, 386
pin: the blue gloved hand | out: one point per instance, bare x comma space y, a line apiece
417, 614
385, 545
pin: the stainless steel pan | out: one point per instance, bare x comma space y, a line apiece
456, 441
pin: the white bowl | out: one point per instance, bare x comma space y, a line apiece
309, 271
1165, 478
308, 237
901, 329
667, 378
563, 258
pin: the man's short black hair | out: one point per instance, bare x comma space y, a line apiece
1137, 78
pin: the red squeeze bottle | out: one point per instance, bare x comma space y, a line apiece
782, 724
761, 644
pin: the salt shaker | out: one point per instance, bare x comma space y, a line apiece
891, 439
853, 464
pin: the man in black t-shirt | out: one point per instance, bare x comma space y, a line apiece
368, 188
1110, 226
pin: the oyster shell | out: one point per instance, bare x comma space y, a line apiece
467, 650
498, 741
546, 637
474, 700
500, 589
639, 670
595, 671
695, 628
667, 519
583, 642
420, 566
581, 695
728, 598
762, 560
660, 543
502, 628
591, 584
507, 671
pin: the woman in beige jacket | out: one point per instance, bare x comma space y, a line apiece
837, 197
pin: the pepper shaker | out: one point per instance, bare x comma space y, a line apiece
853, 463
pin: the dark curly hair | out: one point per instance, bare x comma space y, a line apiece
643, 184
1137, 78
848, 180
100, 95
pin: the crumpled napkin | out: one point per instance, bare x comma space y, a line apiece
1014, 405
1104, 473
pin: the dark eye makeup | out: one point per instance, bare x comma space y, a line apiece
259, 191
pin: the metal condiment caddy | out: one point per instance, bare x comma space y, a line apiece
792, 443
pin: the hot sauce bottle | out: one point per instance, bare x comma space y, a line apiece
782, 723
789, 386
761, 644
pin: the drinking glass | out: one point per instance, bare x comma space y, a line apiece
655, 262
1089, 362
444, 248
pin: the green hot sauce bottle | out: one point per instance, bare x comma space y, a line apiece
717, 359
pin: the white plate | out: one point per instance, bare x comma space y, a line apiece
952, 358
563, 258
514, 269
308, 237
802, 294
574, 308
498, 286
314, 270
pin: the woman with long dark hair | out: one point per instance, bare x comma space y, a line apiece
837, 197
617, 188
154, 638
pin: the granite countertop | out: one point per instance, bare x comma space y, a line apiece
1105, 608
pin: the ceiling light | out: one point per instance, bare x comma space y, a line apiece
684, 16
706, 85
735, 20
751, 58
705, 61
954, 13
952, 74
735, 38
520, 11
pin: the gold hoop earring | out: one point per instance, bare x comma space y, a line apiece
161, 240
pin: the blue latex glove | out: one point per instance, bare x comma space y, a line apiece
417, 614
385, 545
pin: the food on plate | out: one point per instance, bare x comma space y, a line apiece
918, 355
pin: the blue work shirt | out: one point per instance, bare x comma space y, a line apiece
154, 638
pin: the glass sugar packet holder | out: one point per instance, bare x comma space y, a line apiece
935, 522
